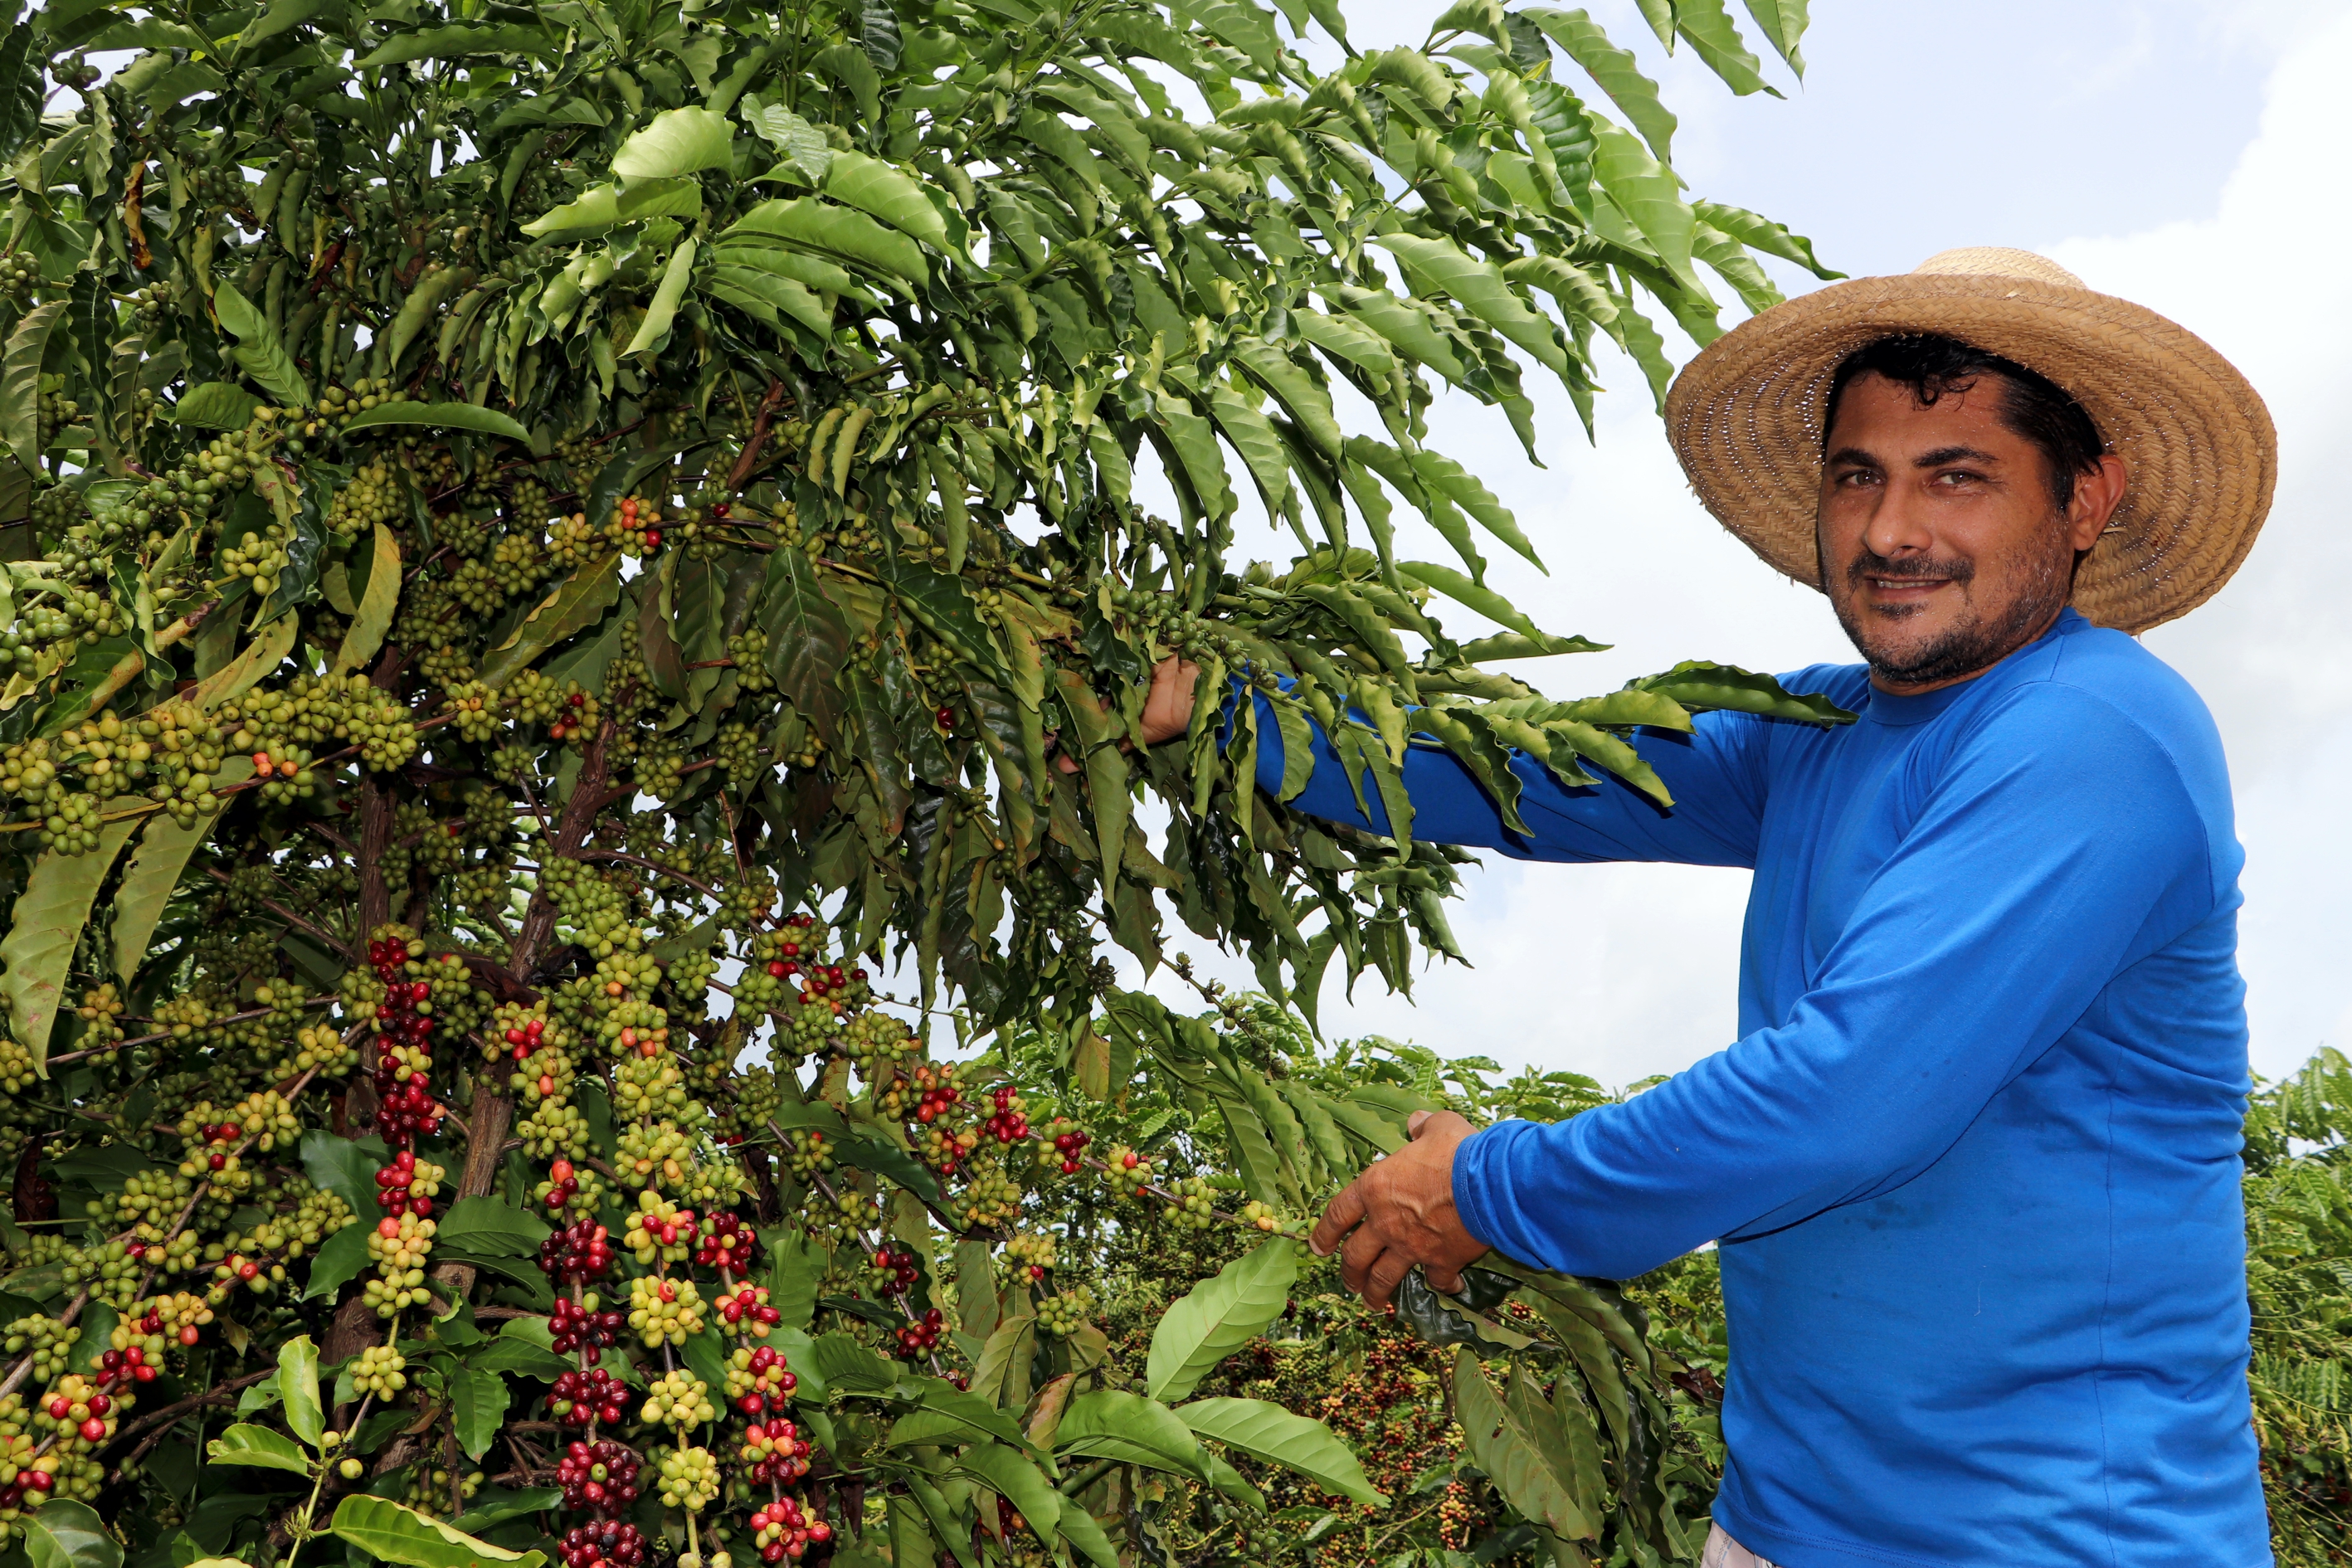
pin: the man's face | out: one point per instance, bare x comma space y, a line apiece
1941, 549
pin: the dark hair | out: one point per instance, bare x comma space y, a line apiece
2032, 407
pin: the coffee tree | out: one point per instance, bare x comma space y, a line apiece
557, 553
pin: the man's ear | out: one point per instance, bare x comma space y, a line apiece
2098, 491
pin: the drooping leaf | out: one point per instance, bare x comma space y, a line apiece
1614, 69
479, 1408
215, 406
393, 1533
574, 606
1279, 1437
1696, 684
244, 1443
1782, 23
258, 348
808, 638
1112, 1424
1514, 1459
1218, 1317
440, 416
457, 41
1714, 38
20, 377
873, 186
676, 142
340, 1258
297, 1388
47, 924
67, 1533
154, 871
371, 618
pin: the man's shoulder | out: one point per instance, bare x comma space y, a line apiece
2082, 670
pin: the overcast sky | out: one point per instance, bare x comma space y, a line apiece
2186, 154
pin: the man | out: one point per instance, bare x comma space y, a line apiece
1973, 1160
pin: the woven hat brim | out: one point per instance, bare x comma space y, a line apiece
1745, 417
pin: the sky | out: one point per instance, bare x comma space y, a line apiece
2188, 155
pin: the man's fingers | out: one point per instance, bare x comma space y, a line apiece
1347, 1211
1356, 1259
1416, 1121
1439, 1279
1382, 1278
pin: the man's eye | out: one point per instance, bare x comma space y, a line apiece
1952, 479
1854, 477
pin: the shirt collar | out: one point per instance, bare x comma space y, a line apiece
1888, 707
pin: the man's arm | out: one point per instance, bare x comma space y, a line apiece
2061, 847
1715, 773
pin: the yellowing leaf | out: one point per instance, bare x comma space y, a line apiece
39, 947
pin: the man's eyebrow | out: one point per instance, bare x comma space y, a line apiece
1942, 455
1853, 456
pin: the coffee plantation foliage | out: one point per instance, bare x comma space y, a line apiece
2299, 1281
554, 555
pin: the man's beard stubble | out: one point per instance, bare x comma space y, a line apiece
1971, 644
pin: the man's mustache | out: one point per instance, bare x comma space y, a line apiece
1870, 564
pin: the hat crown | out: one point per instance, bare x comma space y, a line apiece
1997, 261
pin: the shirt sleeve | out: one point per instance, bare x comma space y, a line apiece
2059, 845
1716, 775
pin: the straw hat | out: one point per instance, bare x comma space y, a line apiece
1746, 419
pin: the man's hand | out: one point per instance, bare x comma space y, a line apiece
1401, 1211
1167, 712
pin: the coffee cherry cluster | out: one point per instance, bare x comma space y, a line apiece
1194, 1208
992, 1199
408, 1185
1068, 1144
404, 1022
677, 1399
577, 1254
892, 1271
746, 1313
579, 1327
922, 1337
600, 1475
727, 1244
664, 1311
1062, 1315
660, 1230
1028, 1256
82, 1410
382, 1372
637, 525
775, 1453
758, 1380
47, 1340
783, 1528
179, 1316
600, 1543
584, 1398
429, 1487
1127, 1173
1010, 1124
689, 1479
561, 1188
372, 499
399, 1247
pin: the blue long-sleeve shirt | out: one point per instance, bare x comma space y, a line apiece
1973, 1160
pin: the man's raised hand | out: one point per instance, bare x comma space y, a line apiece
1401, 1212
1167, 712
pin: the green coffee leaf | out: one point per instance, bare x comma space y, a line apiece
1218, 1317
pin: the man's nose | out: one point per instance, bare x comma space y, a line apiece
1898, 523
